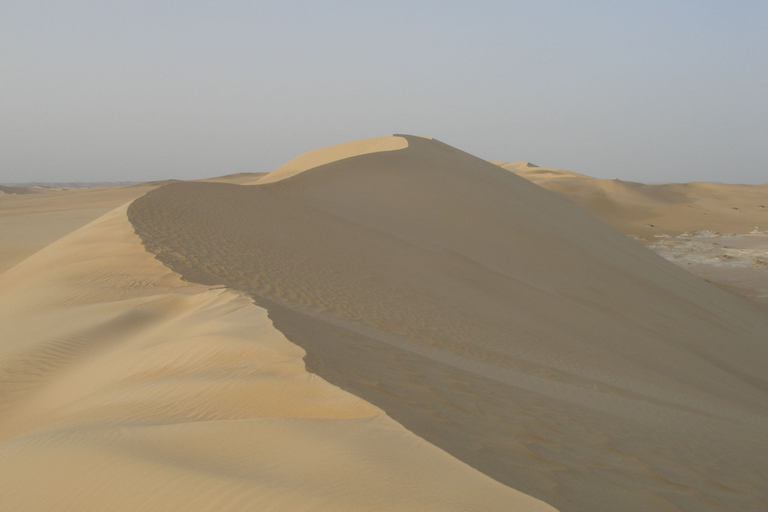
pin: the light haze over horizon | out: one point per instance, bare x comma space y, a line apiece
135, 91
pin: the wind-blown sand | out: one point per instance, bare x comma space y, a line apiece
34, 218
494, 319
716, 231
648, 210
521, 342
123, 387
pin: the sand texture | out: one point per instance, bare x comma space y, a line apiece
123, 387
648, 210
716, 231
33, 217
494, 319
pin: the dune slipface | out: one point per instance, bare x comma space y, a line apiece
496, 320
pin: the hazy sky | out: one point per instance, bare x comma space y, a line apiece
149, 89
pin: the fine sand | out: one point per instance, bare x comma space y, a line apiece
499, 340
31, 218
718, 232
493, 319
665, 209
123, 387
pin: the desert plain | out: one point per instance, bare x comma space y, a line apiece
386, 324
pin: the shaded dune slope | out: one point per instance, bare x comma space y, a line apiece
496, 320
124, 388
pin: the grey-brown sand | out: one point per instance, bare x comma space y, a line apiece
123, 387
494, 319
716, 231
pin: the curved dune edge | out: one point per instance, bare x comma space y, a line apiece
126, 388
495, 320
334, 153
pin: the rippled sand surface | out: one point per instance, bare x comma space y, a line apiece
495, 320
123, 387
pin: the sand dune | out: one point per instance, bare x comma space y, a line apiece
124, 388
30, 222
332, 154
495, 320
668, 219
17, 190
647, 210
40, 216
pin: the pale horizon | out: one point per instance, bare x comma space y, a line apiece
658, 92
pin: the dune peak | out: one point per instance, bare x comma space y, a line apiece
491, 317
334, 153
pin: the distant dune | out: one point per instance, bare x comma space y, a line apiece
668, 219
648, 210
16, 190
494, 319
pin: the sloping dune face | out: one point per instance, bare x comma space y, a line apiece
124, 388
495, 320
671, 219
671, 209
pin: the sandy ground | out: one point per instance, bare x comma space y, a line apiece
674, 219
125, 388
32, 218
492, 335
494, 319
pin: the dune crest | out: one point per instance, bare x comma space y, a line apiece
29, 222
335, 153
496, 320
126, 388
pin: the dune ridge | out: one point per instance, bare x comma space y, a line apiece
330, 154
495, 320
126, 388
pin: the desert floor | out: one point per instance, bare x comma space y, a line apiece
389, 324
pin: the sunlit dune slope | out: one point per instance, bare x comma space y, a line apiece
496, 320
30, 221
33, 217
124, 388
